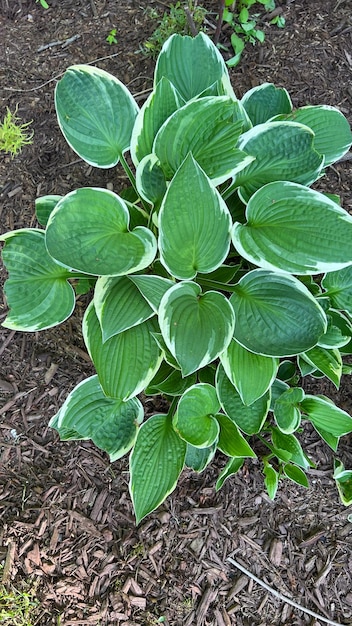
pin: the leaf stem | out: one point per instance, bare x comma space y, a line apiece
132, 180
214, 284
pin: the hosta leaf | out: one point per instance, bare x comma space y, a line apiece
88, 414
327, 361
286, 410
169, 381
88, 231
339, 331
126, 362
332, 133
161, 103
294, 229
156, 462
96, 114
198, 459
343, 479
192, 64
249, 419
282, 151
209, 130
194, 419
326, 416
275, 314
271, 480
231, 468
264, 101
338, 286
37, 291
44, 206
152, 288
119, 305
252, 374
196, 327
291, 444
295, 474
231, 441
193, 238
150, 180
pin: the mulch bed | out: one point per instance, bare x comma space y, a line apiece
66, 521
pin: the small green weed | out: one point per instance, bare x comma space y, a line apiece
13, 136
43, 3
177, 20
111, 38
17, 607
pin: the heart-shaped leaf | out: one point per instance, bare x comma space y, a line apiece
193, 239
126, 362
88, 414
286, 410
96, 114
294, 229
194, 419
150, 180
196, 327
156, 462
88, 231
264, 101
37, 291
276, 315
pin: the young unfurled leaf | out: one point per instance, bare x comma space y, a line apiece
194, 419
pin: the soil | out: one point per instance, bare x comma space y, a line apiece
67, 529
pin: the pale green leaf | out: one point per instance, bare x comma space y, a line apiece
271, 480
294, 229
193, 237
264, 101
290, 443
338, 286
231, 441
194, 419
343, 479
252, 374
150, 180
37, 291
326, 416
327, 361
296, 474
286, 410
231, 468
152, 288
126, 362
196, 327
96, 114
156, 462
88, 414
89, 231
275, 314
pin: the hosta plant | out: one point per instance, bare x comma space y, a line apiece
218, 278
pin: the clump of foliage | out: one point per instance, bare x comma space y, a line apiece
244, 22
13, 135
220, 277
180, 19
111, 38
17, 607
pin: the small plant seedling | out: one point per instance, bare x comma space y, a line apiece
13, 135
43, 3
177, 20
111, 38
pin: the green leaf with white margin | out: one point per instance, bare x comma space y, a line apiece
126, 362
194, 419
275, 314
44, 206
231, 468
198, 459
343, 479
162, 102
119, 305
286, 410
271, 480
37, 291
192, 64
338, 286
339, 331
209, 128
332, 133
326, 416
327, 361
296, 474
174, 384
88, 231
291, 444
156, 462
152, 288
96, 114
294, 229
196, 327
150, 180
282, 151
231, 441
252, 374
193, 237
88, 414
249, 419
264, 101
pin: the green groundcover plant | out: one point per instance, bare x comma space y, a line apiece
219, 278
